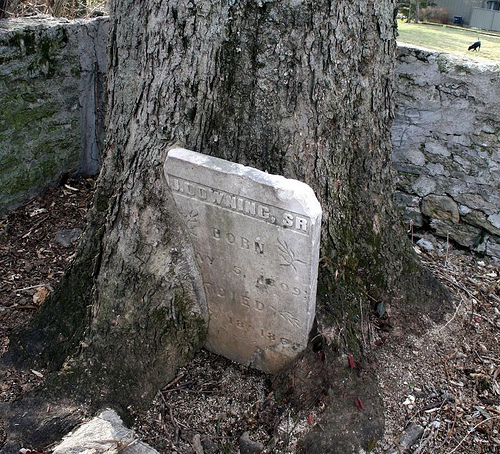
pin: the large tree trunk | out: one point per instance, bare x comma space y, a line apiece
298, 88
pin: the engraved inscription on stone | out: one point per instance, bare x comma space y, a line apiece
256, 240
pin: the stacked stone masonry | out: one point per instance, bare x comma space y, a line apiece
51, 102
446, 134
446, 146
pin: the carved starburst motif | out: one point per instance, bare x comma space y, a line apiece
191, 220
288, 255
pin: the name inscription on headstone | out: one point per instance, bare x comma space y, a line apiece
256, 240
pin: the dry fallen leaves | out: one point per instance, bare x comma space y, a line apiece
40, 295
452, 371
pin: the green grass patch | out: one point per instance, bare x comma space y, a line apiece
450, 39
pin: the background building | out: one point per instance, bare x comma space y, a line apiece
481, 14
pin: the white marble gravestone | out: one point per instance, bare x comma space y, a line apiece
256, 239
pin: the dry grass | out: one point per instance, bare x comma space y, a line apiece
450, 39
58, 8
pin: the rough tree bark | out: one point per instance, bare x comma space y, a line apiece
300, 88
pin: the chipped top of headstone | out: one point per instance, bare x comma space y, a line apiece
298, 193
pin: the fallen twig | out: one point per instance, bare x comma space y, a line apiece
30, 287
26, 235
454, 315
454, 399
71, 188
173, 382
27, 307
471, 431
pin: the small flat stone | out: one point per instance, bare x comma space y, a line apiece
196, 444
425, 244
411, 435
66, 238
248, 446
104, 433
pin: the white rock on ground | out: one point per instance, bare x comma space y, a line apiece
103, 434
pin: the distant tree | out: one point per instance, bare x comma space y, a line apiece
411, 8
435, 14
3, 8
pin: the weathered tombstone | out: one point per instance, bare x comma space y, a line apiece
256, 240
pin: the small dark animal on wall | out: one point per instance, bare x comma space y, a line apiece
475, 46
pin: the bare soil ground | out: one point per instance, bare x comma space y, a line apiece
447, 381
440, 390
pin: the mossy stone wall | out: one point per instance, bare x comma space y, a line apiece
445, 135
51, 98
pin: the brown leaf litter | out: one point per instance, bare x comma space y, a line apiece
441, 391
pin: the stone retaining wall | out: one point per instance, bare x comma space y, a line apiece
446, 146
51, 102
446, 133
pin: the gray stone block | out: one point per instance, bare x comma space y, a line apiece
52, 102
256, 239
440, 207
104, 433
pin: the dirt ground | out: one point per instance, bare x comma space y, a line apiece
441, 390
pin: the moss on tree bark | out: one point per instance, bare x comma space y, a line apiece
301, 88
